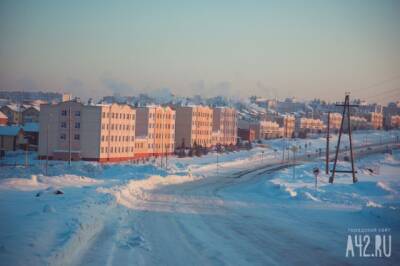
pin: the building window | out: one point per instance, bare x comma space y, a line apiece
63, 124
64, 112
63, 136
77, 137
77, 125
77, 113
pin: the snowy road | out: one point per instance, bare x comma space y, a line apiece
252, 213
209, 222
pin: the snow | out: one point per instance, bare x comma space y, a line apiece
247, 209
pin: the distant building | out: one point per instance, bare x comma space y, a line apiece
31, 114
11, 138
287, 123
13, 113
225, 125
31, 134
357, 122
335, 121
392, 109
65, 97
246, 134
310, 125
104, 133
3, 119
395, 121
193, 125
157, 124
376, 120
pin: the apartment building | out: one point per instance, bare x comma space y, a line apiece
376, 120
193, 125
157, 124
224, 126
357, 122
335, 120
246, 134
270, 130
311, 125
395, 121
288, 125
70, 129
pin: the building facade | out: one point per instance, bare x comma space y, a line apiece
3, 119
376, 120
224, 125
310, 125
157, 124
71, 130
193, 126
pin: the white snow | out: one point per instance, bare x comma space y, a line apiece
198, 211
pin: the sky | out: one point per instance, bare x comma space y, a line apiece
304, 49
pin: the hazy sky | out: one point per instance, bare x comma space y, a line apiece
305, 49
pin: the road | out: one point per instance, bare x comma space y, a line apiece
207, 222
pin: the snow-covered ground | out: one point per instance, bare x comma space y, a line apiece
247, 209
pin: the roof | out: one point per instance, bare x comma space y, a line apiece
9, 130
31, 127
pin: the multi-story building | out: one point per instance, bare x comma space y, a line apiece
390, 110
357, 122
288, 125
157, 124
246, 134
3, 119
270, 130
335, 120
193, 125
376, 120
225, 123
71, 130
311, 125
395, 121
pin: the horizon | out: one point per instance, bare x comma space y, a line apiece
271, 49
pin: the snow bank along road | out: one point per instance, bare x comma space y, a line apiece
253, 215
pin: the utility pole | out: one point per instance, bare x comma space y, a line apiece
69, 135
345, 105
327, 145
47, 145
218, 147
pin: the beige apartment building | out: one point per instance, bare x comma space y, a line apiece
224, 126
335, 121
289, 124
193, 124
376, 120
157, 125
70, 129
311, 125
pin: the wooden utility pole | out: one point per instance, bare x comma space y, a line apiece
345, 105
327, 145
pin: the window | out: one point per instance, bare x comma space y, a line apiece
63, 136
77, 137
77, 113
63, 124
77, 125
64, 112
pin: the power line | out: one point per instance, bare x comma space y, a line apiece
373, 85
